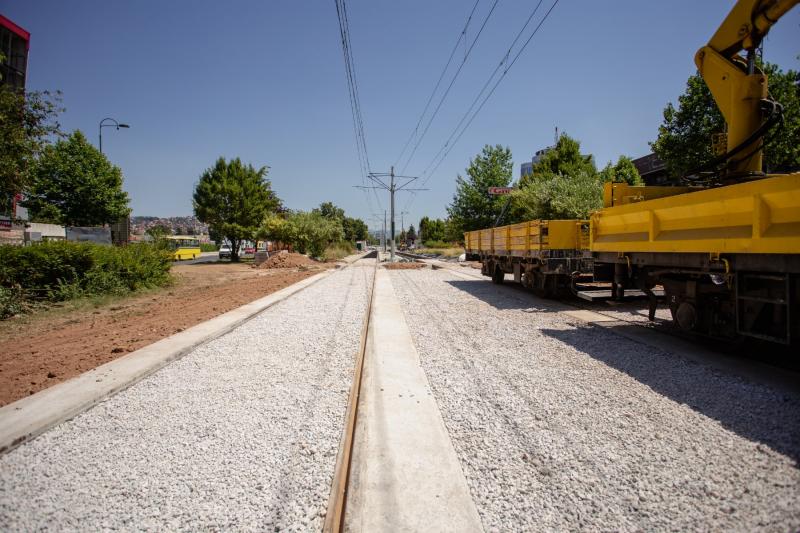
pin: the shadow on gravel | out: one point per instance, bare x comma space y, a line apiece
751, 410
507, 296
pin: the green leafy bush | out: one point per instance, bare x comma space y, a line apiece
208, 247
309, 233
65, 270
12, 302
557, 196
436, 244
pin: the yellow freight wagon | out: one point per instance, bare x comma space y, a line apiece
728, 257
541, 254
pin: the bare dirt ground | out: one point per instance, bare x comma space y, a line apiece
404, 266
49, 347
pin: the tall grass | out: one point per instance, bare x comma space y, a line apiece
338, 251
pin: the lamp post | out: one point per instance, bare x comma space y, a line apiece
114, 123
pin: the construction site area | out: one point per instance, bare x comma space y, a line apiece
576, 349
413, 399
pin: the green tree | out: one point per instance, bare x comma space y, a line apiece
27, 121
452, 231
558, 197
472, 206
75, 185
329, 210
311, 232
234, 199
684, 137
424, 227
355, 229
564, 158
411, 234
624, 170
431, 229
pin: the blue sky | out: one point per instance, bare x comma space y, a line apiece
265, 81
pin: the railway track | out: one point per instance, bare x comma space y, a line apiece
337, 503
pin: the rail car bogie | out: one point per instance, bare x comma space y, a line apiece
543, 255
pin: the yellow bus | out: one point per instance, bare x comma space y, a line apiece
183, 247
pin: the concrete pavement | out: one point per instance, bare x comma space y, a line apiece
406, 476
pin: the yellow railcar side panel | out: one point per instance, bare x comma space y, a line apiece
757, 217
485, 240
518, 236
563, 234
530, 236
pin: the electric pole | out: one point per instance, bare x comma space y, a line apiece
392, 187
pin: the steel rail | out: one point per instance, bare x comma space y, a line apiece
337, 501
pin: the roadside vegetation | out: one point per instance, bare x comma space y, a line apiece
324, 233
58, 271
233, 199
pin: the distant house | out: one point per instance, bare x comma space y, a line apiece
652, 170
35, 231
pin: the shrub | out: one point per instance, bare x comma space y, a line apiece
436, 244
12, 301
338, 251
208, 247
557, 196
65, 270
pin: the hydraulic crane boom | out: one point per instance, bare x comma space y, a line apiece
739, 87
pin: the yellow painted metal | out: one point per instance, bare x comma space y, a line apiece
529, 237
736, 88
747, 23
183, 247
738, 96
760, 216
622, 193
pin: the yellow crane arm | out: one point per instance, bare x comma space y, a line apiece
738, 86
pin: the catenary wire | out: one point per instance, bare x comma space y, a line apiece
448, 146
450, 86
461, 36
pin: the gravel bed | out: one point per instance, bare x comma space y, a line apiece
629, 311
241, 434
563, 426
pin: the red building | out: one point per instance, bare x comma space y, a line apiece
14, 44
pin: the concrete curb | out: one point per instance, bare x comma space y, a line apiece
29, 417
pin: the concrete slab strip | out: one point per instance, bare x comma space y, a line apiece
406, 475
29, 417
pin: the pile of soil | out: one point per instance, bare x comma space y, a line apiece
404, 266
284, 259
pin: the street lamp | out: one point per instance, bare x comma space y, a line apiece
104, 125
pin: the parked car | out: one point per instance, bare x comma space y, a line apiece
225, 251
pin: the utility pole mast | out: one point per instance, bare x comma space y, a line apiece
392, 191
392, 187
384, 231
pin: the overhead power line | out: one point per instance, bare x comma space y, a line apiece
469, 116
352, 87
461, 36
452, 81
